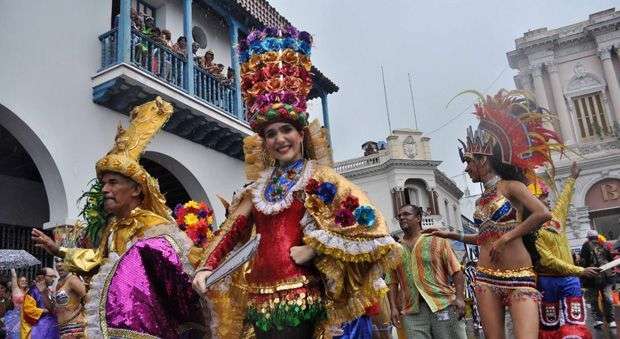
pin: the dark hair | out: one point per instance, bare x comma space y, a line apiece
416, 209
42, 272
505, 171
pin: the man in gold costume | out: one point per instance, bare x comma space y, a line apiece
562, 312
142, 286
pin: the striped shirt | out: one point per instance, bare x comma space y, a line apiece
426, 272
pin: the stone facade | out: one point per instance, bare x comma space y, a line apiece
405, 173
573, 72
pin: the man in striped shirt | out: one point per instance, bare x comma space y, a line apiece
426, 290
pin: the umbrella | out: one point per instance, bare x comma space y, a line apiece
16, 259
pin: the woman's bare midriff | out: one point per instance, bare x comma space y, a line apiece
514, 256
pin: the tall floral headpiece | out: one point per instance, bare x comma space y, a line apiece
275, 76
511, 123
145, 121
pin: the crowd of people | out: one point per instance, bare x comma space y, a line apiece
158, 59
50, 306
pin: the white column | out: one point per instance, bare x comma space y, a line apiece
524, 81
539, 90
560, 104
612, 81
539, 86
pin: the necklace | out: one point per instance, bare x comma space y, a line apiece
283, 179
489, 184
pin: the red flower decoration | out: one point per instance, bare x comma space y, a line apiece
344, 217
350, 203
312, 186
283, 113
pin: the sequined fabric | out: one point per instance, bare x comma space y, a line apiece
279, 288
494, 216
150, 293
509, 285
279, 232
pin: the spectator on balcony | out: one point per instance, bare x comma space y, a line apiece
149, 27
206, 62
166, 37
136, 20
195, 48
181, 46
156, 50
217, 73
142, 48
230, 74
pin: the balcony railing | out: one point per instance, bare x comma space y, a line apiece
162, 63
361, 162
157, 59
211, 90
108, 42
434, 220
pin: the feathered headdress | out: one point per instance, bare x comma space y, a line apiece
517, 128
275, 76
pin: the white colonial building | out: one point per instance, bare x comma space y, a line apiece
573, 71
402, 172
72, 70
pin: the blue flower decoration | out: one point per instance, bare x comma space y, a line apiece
365, 215
304, 48
244, 56
291, 43
256, 48
326, 192
272, 44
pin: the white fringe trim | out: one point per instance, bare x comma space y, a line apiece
330, 239
96, 299
268, 208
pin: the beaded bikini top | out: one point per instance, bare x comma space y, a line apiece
494, 215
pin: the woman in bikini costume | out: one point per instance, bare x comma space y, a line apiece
500, 154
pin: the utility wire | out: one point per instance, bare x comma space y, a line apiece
470, 106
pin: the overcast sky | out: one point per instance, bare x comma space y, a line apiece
449, 46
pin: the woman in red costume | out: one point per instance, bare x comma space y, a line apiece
501, 154
323, 245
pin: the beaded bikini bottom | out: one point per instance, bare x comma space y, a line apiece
509, 285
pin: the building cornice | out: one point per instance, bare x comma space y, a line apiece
448, 184
391, 164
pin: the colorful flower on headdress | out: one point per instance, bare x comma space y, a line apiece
365, 215
276, 70
196, 219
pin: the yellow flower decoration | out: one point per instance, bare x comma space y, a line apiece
192, 204
190, 219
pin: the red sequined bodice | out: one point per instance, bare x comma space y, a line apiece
279, 232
